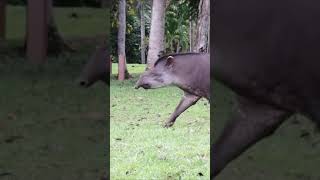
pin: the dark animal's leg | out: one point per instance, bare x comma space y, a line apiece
250, 123
186, 101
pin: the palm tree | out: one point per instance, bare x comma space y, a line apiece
143, 32
156, 41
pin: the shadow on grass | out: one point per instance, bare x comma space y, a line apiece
49, 127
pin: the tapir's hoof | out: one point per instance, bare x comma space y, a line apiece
168, 124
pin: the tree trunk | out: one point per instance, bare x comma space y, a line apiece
56, 44
202, 24
208, 49
143, 31
122, 67
156, 41
190, 35
194, 35
3, 4
37, 32
178, 47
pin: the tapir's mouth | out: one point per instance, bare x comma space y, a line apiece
83, 83
144, 86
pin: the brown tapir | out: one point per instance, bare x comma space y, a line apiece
268, 53
97, 68
188, 71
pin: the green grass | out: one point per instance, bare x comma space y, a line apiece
285, 155
141, 148
50, 128
90, 21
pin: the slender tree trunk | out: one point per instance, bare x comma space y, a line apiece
143, 31
178, 47
156, 41
122, 40
202, 24
208, 49
167, 3
37, 32
3, 4
55, 42
194, 35
190, 35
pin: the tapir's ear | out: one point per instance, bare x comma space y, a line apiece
170, 61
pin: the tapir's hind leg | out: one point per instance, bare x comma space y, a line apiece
250, 123
186, 101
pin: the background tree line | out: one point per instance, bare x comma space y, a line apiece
180, 31
66, 3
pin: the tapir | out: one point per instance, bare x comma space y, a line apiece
187, 71
268, 53
97, 68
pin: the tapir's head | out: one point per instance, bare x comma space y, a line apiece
160, 75
97, 68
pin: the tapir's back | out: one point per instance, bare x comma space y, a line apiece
194, 69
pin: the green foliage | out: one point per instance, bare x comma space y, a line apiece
64, 3
177, 18
132, 32
177, 26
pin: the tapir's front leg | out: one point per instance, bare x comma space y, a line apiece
186, 101
250, 123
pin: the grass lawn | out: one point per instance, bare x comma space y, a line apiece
50, 128
292, 153
141, 148
90, 21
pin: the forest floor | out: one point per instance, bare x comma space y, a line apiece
141, 148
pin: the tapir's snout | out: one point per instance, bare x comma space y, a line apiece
136, 86
138, 83
144, 86
141, 83
83, 82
